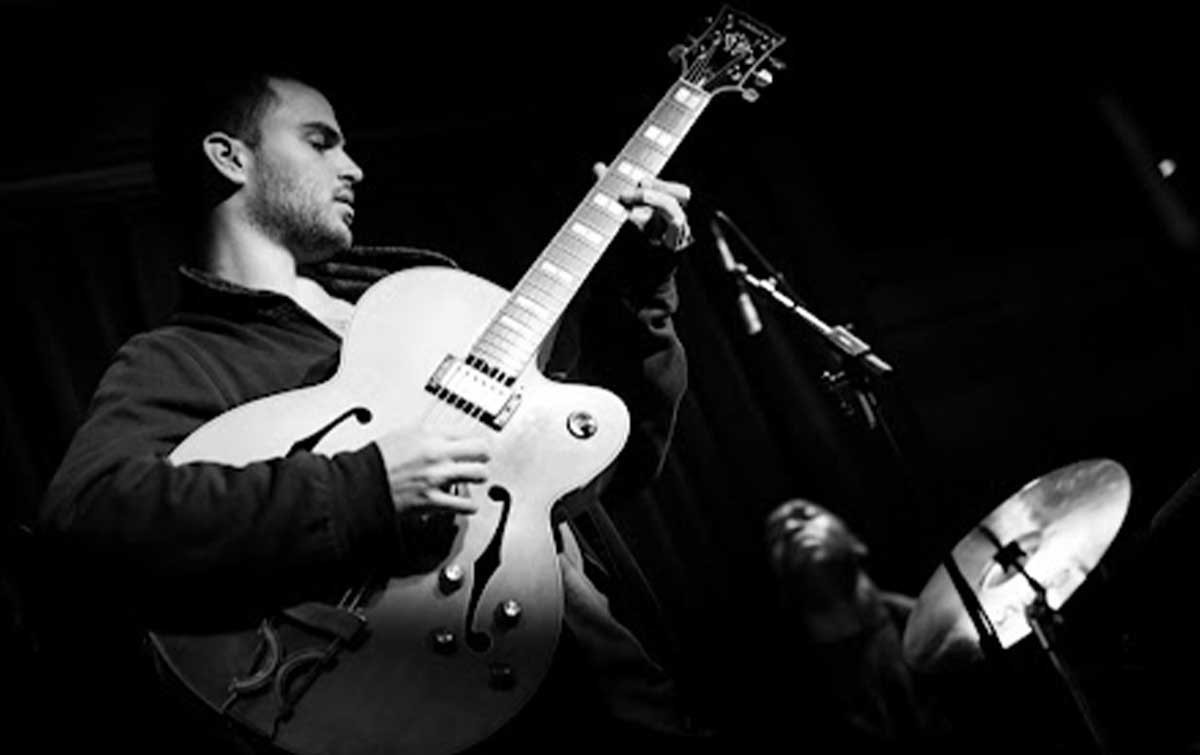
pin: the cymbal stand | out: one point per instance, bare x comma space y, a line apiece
1045, 622
989, 640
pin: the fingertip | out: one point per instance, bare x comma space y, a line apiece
599, 169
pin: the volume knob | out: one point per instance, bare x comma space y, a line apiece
582, 425
508, 613
501, 676
451, 579
444, 641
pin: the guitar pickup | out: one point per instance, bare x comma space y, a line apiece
477, 389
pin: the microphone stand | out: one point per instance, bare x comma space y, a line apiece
839, 335
851, 383
860, 365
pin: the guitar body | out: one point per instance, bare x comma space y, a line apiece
395, 691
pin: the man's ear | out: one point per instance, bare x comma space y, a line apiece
228, 155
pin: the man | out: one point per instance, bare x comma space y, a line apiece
264, 161
850, 665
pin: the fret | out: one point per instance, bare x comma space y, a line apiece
522, 330
564, 255
487, 352
550, 302
655, 142
513, 361
615, 184
610, 204
506, 339
573, 264
645, 158
688, 97
544, 293
589, 234
534, 297
599, 219
534, 307
548, 289
523, 323
676, 119
520, 321
571, 247
495, 356
577, 249
501, 354
514, 347
551, 288
662, 139
556, 273
673, 118
631, 171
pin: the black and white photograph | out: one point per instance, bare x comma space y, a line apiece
681, 378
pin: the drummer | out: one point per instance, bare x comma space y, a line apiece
864, 697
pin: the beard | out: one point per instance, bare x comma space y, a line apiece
293, 214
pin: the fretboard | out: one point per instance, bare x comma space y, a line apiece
518, 330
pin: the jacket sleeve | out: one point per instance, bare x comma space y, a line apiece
117, 499
620, 335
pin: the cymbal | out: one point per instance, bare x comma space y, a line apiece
1057, 526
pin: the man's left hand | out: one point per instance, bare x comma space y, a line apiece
656, 208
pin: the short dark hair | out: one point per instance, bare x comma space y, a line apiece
231, 101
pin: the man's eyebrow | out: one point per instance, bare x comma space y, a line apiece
328, 133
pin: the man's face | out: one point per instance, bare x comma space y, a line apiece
806, 541
301, 186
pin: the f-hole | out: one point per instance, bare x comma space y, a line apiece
360, 413
485, 567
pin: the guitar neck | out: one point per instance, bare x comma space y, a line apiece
521, 326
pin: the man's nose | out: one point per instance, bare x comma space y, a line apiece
349, 170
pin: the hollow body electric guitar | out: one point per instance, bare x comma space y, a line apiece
436, 661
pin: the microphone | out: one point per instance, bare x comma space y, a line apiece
745, 305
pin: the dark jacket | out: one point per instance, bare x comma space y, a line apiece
195, 537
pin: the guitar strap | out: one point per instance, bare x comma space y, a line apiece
295, 647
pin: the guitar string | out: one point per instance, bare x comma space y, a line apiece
443, 414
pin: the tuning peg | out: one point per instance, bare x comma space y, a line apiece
676, 53
763, 78
750, 95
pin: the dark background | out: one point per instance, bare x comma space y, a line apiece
979, 197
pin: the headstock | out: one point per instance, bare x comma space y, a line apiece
732, 55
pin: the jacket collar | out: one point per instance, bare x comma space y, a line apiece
346, 275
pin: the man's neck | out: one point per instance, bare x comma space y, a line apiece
847, 616
240, 253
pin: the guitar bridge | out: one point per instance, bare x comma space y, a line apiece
477, 389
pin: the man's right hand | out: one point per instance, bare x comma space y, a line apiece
424, 469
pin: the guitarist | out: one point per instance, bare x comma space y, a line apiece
259, 165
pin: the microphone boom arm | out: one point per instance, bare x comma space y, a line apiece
839, 335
